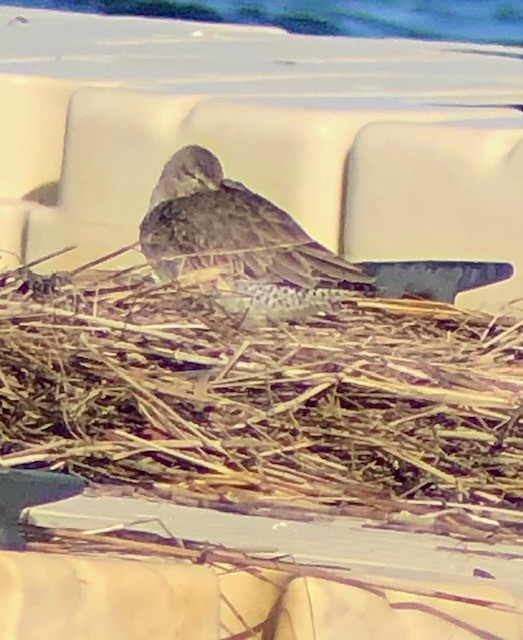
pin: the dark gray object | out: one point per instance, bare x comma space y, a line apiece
21, 488
433, 279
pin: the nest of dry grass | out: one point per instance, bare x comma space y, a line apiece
126, 381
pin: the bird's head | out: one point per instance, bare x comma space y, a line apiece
190, 170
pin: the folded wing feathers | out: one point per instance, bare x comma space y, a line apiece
272, 246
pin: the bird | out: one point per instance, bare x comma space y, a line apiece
273, 270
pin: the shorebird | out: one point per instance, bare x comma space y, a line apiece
273, 270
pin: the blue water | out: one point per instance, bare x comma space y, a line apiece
493, 21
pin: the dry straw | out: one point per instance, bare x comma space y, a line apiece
128, 381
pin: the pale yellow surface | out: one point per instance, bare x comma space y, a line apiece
74, 597
32, 127
251, 600
318, 609
14, 218
462, 184
382, 149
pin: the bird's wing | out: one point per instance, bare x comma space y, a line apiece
282, 251
235, 225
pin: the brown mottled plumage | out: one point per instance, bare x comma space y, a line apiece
198, 219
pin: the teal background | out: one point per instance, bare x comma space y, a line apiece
493, 21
